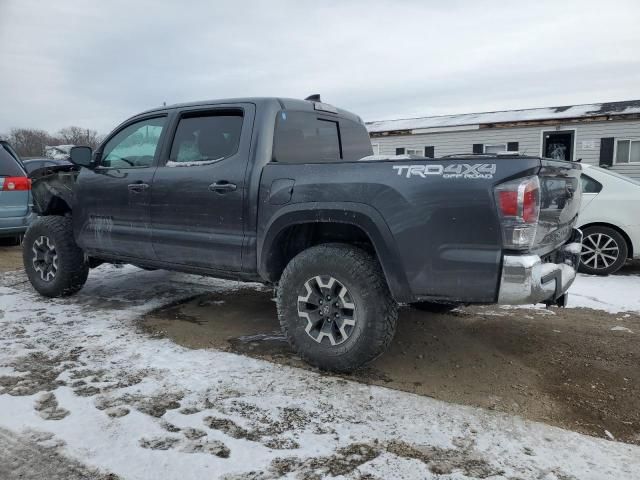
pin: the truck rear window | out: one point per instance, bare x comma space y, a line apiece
305, 137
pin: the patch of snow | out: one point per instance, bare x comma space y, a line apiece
185, 407
621, 329
613, 294
58, 152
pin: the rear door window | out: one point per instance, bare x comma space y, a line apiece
206, 138
9, 166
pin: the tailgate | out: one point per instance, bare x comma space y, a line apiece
560, 195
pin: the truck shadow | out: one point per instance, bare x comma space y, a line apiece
562, 367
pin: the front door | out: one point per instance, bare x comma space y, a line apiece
558, 145
112, 216
198, 194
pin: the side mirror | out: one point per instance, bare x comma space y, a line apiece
82, 156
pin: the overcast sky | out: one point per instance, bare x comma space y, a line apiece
94, 63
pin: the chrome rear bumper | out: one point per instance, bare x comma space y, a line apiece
526, 279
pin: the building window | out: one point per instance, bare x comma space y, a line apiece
414, 151
430, 151
500, 147
627, 151
400, 151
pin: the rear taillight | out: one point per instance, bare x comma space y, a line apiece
518, 204
16, 183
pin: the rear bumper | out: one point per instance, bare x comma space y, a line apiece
15, 225
526, 279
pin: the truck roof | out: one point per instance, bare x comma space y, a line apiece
285, 104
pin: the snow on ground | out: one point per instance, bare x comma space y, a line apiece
144, 407
613, 294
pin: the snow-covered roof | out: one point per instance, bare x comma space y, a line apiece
507, 116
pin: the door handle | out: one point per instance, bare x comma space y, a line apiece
222, 187
137, 187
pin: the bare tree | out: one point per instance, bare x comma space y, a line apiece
79, 136
30, 142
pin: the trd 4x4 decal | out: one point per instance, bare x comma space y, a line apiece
458, 170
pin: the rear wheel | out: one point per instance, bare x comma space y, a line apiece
604, 251
55, 265
335, 307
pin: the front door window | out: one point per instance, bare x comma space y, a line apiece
134, 146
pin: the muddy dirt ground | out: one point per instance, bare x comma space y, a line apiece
10, 255
562, 367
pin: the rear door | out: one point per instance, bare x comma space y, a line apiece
112, 215
14, 187
198, 194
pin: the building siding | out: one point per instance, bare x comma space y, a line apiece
528, 138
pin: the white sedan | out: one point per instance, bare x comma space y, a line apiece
609, 219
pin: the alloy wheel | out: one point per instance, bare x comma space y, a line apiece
45, 258
328, 308
599, 251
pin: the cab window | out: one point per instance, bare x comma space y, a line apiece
134, 146
303, 137
589, 185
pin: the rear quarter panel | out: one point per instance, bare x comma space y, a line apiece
617, 204
445, 228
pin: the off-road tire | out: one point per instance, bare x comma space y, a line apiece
434, 307
375, 310
72, 269
616, 238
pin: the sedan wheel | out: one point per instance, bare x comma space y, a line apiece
604, 251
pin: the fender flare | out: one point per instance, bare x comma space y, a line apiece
360, 215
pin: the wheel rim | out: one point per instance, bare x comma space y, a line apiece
328, 309
599, 251
45, 258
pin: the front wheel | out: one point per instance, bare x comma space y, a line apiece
604, 251
54, 264
335, 307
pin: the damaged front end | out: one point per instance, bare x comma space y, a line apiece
52, 189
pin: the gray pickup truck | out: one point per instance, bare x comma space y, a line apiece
287, 192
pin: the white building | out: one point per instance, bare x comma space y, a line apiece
605, 134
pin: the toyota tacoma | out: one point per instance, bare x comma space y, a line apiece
287, 192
